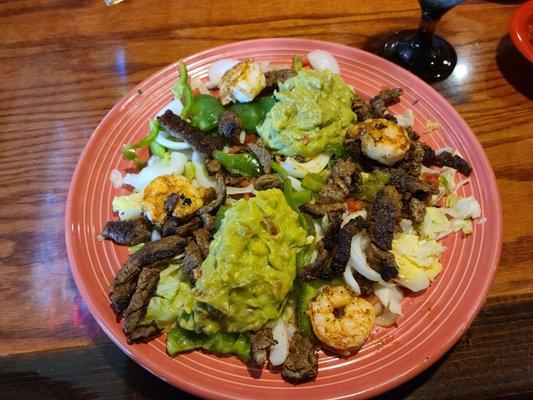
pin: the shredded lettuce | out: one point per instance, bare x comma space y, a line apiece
417, 259
128, 207
435, 224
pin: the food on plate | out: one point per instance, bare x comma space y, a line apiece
280, 214
312, 111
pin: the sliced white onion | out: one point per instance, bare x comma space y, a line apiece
443, 149
390, 295
347, 217
358, 257
197, 83
299, 170
350, 280
280, 351
155, 235
407, 226
321, 60
115, 176
432, 170
176, 106
230, 190
406, 119
386, 319
174, 165
319, 230
164, 141
201, 175
219, 68
296, 184
242, 137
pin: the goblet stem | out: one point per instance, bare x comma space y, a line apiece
426, 28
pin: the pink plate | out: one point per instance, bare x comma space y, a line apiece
433, 321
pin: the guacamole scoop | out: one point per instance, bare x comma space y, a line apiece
313, 112
249, 270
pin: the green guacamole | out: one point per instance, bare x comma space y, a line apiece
313, 111
245, 278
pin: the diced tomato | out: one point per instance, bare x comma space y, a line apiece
354, 205
251, 139
430, 178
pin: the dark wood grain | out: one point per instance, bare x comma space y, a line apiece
63, 64
489, 371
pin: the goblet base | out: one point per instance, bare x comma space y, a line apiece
408, 49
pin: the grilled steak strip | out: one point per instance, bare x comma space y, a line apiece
320, 269
132, 324
129, 232
203, 238
268, 181
173, 227
192, 259
301, 364
123, 286
361, 108
201, 141
345, 177
264, 156
274, 78
385, 98
333, 227
319, 210
261, 341
383, 217
382, 262
416, 210
446, 159
407, 184
341, 254
230, 126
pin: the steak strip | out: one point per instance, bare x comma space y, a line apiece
320, 269
319, 210
201, 141
264, 156
129, 232
385, 212
301, 364
274, 77
382, 261
261, 340
446, 159
125, 282
341, 254
385, 98
173, 227
132, 324
230, 126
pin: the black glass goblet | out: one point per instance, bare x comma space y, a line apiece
421, 51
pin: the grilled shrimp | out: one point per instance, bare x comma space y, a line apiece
241, 83
383, 140
189, 199
340, 319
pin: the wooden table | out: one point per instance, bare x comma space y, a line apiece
63, 66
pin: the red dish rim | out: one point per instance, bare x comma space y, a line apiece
521, 18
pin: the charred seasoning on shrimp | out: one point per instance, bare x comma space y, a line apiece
341, 320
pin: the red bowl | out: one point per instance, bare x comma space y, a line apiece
521, 29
